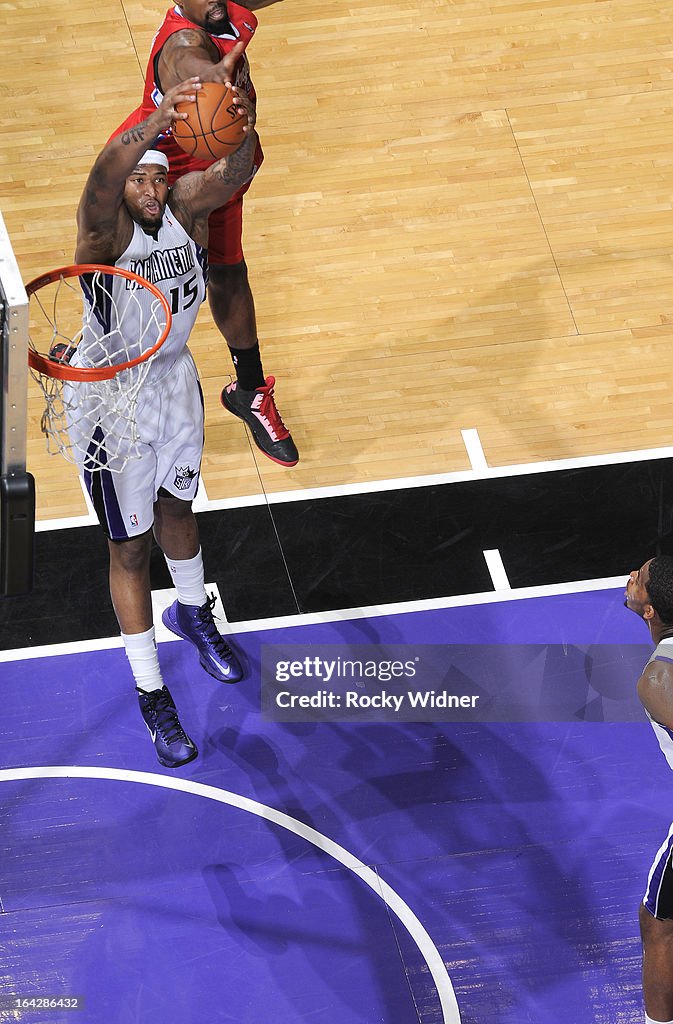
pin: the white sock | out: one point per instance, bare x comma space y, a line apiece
650, 1020
141, 650
188, 579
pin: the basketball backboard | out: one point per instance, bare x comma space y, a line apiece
17, 488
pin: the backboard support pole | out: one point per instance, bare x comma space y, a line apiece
17, 487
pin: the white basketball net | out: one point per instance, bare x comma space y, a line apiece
93, 423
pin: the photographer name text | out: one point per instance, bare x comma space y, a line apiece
352, 700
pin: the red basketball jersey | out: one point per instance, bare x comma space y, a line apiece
242, 25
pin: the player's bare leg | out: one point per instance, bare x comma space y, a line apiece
175, 527
233, 306
657, 966
130, 582
250, 397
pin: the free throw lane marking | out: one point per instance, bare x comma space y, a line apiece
475, 452
430, 953
497, 570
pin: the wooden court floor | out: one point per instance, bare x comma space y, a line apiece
464, 220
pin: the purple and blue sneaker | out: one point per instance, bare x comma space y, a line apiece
197, 625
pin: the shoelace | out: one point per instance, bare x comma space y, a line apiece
167, 721
207, 623
269, 410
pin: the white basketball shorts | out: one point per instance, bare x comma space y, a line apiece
170, 423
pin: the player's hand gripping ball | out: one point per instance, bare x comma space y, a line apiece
214, 125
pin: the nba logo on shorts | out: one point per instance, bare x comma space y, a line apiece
134, 519
183, 478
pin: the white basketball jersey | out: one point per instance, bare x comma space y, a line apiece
118, 309
663, 652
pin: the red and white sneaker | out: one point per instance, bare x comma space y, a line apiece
258, 409
61, 353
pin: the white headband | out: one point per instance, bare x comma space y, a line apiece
153, 156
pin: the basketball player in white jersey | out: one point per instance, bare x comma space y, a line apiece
128, 217
649, 593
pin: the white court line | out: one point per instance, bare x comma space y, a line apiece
162, 599
398, 483
72, 522
497, 570
337, 615
475, 452
427, 948
87, 499
201, 502
489, 473
245, 501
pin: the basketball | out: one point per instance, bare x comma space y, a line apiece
214, 126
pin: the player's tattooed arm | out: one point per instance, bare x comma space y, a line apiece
103, 222
99, 225
132, 135
195, 195
234, 170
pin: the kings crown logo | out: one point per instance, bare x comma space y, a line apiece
183, 478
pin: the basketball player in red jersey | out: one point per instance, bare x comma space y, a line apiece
208, 38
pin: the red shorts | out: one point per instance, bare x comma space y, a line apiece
225, 231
